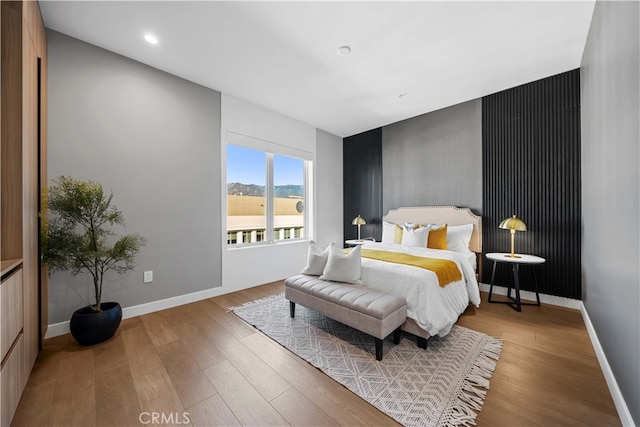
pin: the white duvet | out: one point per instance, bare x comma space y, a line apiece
433, 308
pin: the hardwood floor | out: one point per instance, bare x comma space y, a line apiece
201, 364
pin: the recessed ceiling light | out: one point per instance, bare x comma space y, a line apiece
344, 50
151, 38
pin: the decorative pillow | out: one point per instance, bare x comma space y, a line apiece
387, 232
410, 226
458, 237
391, 233
316, 259
342, 267
415, 237
397, 234
437, 237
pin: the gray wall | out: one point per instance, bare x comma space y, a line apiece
154, 140
610, 197
434, 159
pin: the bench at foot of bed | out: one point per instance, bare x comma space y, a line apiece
373, 312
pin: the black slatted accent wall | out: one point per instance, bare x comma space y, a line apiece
531, 168
362, 177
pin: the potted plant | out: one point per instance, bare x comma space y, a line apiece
76, 237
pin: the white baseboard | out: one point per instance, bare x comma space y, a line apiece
57, 329
531, 296
62, 328
618, 399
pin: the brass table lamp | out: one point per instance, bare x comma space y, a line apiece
359, 221
513, 224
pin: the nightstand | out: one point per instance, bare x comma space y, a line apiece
530, 260
355, 242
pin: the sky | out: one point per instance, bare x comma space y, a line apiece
248, 166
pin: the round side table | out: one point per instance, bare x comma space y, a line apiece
355, 242
520, 259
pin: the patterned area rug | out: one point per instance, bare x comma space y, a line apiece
444, 385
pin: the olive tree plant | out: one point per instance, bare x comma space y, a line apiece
77, 237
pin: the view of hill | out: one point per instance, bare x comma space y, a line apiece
289, 190
239, 189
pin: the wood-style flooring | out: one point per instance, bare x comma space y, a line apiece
199, 364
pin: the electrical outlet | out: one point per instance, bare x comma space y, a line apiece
148, 276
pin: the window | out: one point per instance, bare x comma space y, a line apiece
288, 197
266, 192
246, 197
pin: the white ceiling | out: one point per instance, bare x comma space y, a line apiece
283, 55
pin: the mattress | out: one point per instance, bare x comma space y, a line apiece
433, 308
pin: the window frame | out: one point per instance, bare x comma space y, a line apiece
270, 149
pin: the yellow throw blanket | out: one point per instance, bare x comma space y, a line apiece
447, 271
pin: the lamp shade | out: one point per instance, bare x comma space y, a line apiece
358, 221
513, 223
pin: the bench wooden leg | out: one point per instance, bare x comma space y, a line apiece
396, 335
378, 349
422, 342
292, 309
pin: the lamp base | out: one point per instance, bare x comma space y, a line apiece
512, 255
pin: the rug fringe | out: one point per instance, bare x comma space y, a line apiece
256, 302
475, 386
462, 416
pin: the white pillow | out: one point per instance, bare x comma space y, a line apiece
316, 259
391, 233
342, 267
458, 237
388, 232
409, 226
417, 237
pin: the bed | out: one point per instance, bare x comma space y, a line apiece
431, 309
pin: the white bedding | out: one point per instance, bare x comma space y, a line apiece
472, 258
433, 308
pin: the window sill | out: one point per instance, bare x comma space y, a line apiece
268, 244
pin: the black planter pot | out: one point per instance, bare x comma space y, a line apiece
90, 327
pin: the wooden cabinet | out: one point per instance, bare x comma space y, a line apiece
33, 36
12, 381
11, 310
13, 376
23, 293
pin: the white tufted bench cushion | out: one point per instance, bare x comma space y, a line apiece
371, 311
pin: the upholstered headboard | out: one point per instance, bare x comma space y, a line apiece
451, 215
